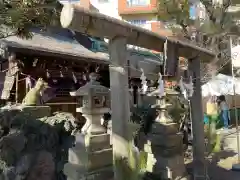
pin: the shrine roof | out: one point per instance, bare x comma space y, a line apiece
61, 43
54, 44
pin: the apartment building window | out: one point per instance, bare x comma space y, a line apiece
138, 2
138, 22
103, 1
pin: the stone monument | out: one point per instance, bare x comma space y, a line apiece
91, 157
164, 146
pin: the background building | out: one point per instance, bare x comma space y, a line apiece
142, 13
138, 12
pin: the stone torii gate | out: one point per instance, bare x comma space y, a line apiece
120, 34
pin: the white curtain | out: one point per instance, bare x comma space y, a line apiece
221, 85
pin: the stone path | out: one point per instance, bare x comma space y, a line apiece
220, 166
223, 170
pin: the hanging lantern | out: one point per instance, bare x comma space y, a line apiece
48, 74
74, 77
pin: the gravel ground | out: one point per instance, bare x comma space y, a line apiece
220, 165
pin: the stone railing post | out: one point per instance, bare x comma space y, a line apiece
91, 157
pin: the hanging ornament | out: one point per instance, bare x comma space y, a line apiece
97, 69
74, 77
144, 82
61, 74
187, 88
35, 62
160, 86
182, 88
84, 77
48, 74
28, 82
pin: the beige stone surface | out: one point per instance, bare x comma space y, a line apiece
91, 160
36, 111
92, 142
98, 142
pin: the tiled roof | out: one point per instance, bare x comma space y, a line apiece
55, 44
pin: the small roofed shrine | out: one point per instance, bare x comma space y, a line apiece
64, 60
63, 63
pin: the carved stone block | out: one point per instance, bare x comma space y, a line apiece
165, 141
160, 128
85, 163
74, 172
164, 151
168, 168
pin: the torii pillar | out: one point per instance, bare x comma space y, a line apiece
200, 171
119, 102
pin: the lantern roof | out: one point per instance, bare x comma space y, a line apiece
93, 87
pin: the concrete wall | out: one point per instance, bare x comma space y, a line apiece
109, 7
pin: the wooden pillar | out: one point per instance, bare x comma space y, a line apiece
119, 102
197, 122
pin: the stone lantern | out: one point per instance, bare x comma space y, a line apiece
91, 157
94, 104
164, 145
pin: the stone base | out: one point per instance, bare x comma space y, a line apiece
36, 111
90, 160
172, 168
165, 158
92, 142
74, 172
90, 153
164, 151
98, 142
162, 162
